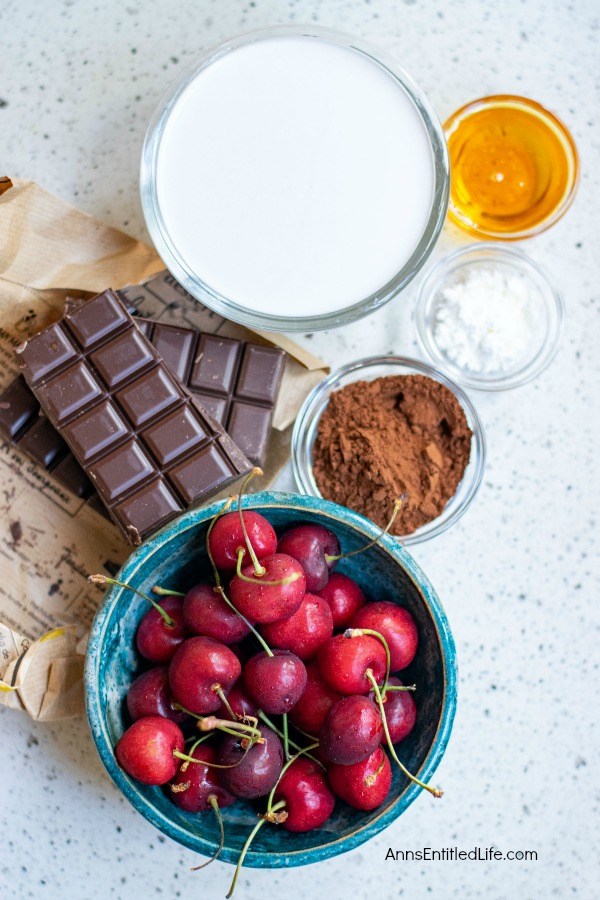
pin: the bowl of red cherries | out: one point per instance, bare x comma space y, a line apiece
271, 680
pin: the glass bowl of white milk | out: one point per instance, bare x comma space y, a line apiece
294, 179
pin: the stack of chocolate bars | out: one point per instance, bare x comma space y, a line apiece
152, 418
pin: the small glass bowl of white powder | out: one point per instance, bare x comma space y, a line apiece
489, 316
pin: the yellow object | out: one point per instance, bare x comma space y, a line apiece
513, 167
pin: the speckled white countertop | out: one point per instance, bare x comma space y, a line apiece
79, 82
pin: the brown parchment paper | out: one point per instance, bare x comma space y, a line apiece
49, 540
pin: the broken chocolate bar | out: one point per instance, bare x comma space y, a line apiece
236, 382
150, 449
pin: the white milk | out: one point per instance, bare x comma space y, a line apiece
294, 176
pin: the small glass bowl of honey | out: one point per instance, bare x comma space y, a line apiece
513, 167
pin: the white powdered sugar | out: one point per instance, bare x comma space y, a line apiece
487, 321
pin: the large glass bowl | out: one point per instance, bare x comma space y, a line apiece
227, 306
305, 432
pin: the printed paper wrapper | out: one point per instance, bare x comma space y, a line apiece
50, 541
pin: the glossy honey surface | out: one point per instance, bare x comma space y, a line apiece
513, 167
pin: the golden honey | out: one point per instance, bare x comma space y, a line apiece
513, 167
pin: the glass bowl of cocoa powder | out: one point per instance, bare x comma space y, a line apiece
386, 427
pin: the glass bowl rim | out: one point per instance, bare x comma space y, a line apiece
227, 307
553, 122
302, 468
551, 298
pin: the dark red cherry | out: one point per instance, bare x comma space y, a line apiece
150, 695
397, 626
199, 665
206, 613
227, 537
363, 785
145, 751
351, 731
344, 661
311, 545
309, 712
276, 682
266, 603
308, 799
400, 711
304, 631
157, 641
253, 772
202, 781
344, 597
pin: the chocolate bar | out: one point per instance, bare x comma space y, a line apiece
30, 431
236, 382
150, 449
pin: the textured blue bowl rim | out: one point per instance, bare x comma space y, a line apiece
128, 787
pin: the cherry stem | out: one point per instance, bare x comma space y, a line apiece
221, 512
165, 592
197, 742
241, 729
246, 847
435, 791
292, 743
398, 503
358, 632
311, 737
286, 736
214, 803
292, 759
258, 569
401, 687
289, 579
212, 723
186, 758
221, 695
248, 624
104, 580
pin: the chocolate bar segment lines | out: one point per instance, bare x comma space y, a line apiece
237, 382
149, 448
31, 432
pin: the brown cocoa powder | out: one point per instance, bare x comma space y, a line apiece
398, 434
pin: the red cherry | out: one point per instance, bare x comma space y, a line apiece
364, 785
150, 695
203, 781
344, 597
311, 545
275, 682
206, 613
304, 631
239, 702
145, 751
198, 665
351, 731
266, 603
309, 712
308, 800
157, 641
253, 772
397, 626
400, 711
227, 537
344, 661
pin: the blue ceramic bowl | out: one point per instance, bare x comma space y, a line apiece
176, 557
